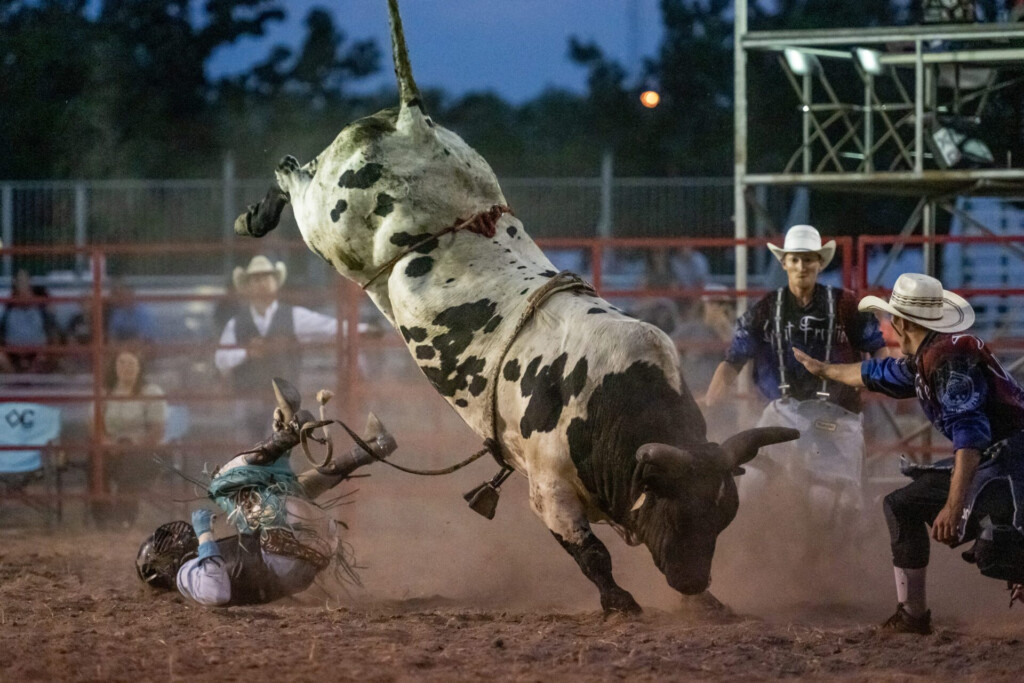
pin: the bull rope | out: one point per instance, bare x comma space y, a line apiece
481, 223
562, 281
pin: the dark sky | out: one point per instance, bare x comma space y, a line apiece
515, 48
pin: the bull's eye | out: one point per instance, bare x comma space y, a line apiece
721, 492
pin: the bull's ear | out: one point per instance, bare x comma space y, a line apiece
742, 447
663, 469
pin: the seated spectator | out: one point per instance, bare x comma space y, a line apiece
690, 269
679, 269
127, 319
660, 312
659, 273
78, 334
718, 311
702, 335
26, 322
134, 423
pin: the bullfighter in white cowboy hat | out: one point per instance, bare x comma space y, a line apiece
971, 399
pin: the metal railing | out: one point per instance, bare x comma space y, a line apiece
366, 365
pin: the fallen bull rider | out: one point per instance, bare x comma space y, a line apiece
284, 539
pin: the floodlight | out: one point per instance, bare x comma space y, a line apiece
947, 141
977, 152
869, 60
801, 63
955, 147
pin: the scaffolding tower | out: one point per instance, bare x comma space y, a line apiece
895, 140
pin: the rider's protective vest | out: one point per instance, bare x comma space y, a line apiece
252, 582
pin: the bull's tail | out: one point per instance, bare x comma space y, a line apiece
407, 90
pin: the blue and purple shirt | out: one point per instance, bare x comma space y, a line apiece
962, 388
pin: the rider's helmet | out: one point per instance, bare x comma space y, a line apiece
162, 554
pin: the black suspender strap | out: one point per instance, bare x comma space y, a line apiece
823, 393
783, 384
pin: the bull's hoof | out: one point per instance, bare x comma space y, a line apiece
619, 601
259, 219
705, 605
288, 164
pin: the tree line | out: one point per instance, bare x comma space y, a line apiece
119, 88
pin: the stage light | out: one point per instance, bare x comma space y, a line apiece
947, 142
869, 60
801, 63
650, 98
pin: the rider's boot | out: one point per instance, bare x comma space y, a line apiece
376, 436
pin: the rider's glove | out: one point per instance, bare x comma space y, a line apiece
202, 522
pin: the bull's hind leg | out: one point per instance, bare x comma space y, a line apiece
261, 218
564, 515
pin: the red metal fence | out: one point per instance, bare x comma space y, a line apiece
365, 366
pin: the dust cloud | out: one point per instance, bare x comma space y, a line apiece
416, 539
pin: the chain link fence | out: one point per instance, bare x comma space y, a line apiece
85, 213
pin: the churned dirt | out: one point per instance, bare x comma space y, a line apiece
448, 595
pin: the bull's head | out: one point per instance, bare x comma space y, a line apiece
686, 497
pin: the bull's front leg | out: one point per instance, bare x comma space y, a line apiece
563, 513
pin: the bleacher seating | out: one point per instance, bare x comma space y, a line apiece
30, 433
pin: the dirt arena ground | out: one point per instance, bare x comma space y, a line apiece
448, 595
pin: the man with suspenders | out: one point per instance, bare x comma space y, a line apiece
824, 322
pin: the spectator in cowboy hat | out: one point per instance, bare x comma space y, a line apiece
265, 336
978, 406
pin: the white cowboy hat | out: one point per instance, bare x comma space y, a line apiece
922, 300
258, 265
803, 239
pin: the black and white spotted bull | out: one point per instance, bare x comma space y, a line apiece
590, 403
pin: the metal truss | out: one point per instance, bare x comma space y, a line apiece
914, 80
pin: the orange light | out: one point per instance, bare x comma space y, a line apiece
650, 98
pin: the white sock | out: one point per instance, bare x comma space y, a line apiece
910, 590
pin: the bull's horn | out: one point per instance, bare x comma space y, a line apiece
742, 447
663, 455
662, 468
288, 398
408, 93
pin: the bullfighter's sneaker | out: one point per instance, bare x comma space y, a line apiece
903, 622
